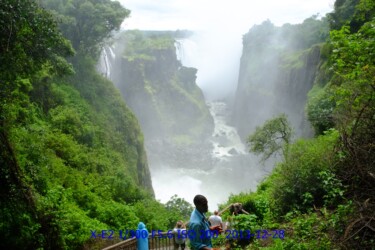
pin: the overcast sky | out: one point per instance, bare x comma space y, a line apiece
218, 14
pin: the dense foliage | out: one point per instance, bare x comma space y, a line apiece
162, 92
72, 156
322, 192
87, 23
272, 137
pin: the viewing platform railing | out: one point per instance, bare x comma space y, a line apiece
161, 241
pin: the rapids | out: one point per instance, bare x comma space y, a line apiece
233, 170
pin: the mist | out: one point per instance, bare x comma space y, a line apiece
215, 49
231, 171
218, 29
217, 62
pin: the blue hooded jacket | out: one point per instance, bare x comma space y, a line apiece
142, 241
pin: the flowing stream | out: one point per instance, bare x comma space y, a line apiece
231, 168
234, 169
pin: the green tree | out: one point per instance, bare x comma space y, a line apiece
302, 36
180, 205
29, 39
320, 108
342, 14
353, 13
29, 42
87, 23
353, 61
274, 135
352, 89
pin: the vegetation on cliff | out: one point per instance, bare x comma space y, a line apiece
164, 96
278, 66
72, 156
71, 152
162, 92
322, 192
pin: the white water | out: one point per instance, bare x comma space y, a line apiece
106, 58
217, 61
226, 140
232, 172
186, 51
234, 169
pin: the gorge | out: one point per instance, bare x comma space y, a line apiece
198, 150
191, 138
102, 124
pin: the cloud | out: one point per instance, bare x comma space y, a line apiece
218, 14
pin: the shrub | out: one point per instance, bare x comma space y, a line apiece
302, 179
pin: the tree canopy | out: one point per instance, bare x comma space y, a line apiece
87, 23
271, 137
29, 39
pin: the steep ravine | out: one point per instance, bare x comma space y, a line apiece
275, 76
193, 146
164, 96
232, 169
190, 146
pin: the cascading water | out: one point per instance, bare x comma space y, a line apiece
185, 49
225, 139
234, 170
106, 59
223, 164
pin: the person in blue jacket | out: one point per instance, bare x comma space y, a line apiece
142, 238
200, 239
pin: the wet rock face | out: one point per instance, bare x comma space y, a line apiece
162, 93
274, 81
168, 104
195, 156
233, 151
278, 67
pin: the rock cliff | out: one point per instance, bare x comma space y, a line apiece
163, 94
278, 67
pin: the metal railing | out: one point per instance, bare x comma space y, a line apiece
162, 241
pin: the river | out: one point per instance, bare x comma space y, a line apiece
234, 169
222, 168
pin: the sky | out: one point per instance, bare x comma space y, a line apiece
218, 14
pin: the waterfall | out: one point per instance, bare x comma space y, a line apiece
226, 141
234, 169
106, 59
179, 50
186, 50
218, 166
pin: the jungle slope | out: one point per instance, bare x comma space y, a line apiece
164, 96
278, 68
72, 154
322, 192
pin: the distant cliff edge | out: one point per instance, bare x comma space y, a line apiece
164, 96
279, 66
